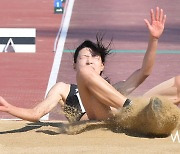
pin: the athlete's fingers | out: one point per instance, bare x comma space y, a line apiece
157, 13
2, 101
152, 15
147, 23
161, 15
164, 20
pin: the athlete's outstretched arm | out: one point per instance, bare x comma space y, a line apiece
155, 28
34, 114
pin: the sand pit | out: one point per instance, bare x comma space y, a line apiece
51, 137
138, 129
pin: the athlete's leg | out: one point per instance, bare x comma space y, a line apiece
177, 85
97, 94
169, 88
165, 88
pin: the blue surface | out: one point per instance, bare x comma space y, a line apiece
57, 3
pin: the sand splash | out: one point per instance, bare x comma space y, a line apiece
156, 117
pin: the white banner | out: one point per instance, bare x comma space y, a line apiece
20, 40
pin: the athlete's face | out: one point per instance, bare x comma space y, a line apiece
87, 57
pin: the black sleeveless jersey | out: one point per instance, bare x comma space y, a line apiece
73, 108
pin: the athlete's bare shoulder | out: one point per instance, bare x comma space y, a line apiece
63, 89
60, 88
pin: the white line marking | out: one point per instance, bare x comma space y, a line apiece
59, 51
61, 25
15, 119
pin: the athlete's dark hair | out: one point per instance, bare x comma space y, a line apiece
98, 48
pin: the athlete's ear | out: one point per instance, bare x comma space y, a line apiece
102, 66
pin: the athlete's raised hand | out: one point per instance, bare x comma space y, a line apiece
158, 20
